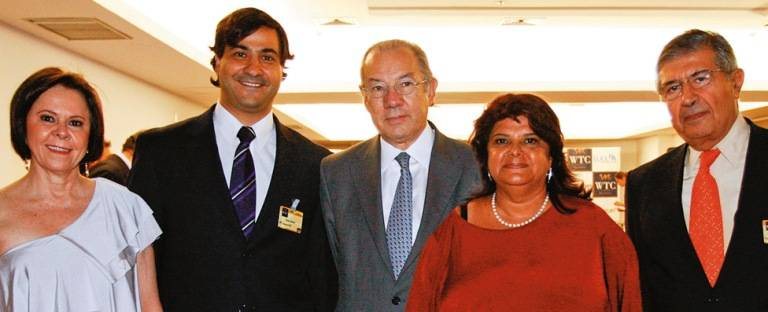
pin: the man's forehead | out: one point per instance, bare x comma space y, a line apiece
264, 34
690, 62
390, 62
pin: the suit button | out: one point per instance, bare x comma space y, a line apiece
395, 300
708, 300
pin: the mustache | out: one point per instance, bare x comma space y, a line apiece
693, 109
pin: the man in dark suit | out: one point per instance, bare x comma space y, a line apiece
697, 214
116, 167
236, 192
383, 197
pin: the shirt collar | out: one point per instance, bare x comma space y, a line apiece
124, 158
420, 150
731, 146
229, 125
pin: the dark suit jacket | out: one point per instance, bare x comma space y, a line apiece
112, 168
351, 200
204, 263
671, 275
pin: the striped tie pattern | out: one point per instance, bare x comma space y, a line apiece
706, 224
242, 184
399, 223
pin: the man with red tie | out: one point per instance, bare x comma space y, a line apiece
696, 214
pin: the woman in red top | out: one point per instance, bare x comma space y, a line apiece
531, 240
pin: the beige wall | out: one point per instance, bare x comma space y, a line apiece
651, 147
129, 104
634, 152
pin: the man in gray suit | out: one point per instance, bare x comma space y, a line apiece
382, 198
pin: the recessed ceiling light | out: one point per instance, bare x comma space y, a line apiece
337, 21
516, 21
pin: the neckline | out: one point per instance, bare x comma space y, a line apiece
88, 208
543, 216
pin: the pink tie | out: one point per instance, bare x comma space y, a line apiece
706, 225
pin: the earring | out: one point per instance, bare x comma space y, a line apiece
490, 177
549, 175
26, 164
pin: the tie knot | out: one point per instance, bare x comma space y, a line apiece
246, 135
403, 159
708, 157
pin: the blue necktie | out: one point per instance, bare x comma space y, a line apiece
399, 223
242, 184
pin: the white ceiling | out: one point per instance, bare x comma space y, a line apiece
595, 53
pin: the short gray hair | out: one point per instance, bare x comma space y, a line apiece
421, 57
694, 40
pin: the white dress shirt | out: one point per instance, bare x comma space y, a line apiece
728, 171
420, 153
263, 148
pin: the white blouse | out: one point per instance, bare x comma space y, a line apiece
89, 265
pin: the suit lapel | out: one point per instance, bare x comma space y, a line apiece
281, 183
441, 182
366, 173
667, 211
206, 169
752, 197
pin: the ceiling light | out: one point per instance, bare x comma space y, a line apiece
517, 21
338, 22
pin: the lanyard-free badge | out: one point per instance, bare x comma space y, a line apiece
290, 218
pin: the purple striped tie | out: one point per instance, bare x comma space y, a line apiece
242, 184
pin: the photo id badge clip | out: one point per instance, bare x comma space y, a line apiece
290, 219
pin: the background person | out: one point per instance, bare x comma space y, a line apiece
116, 167
621, 183
531, 240
68, 243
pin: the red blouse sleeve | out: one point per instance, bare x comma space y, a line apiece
621, 270
432, 269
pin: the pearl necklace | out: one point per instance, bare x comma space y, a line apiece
517, 225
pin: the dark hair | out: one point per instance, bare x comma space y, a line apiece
545, 124
242, 23
35, 85
694, 40
130, 142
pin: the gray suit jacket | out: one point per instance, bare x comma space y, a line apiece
350, 198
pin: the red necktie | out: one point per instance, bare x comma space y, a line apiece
706, 225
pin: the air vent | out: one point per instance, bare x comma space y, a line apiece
79, 28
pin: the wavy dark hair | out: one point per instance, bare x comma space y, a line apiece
546, 125
35, 85
241, 23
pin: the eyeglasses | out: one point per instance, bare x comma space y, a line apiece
379, 89
672, 90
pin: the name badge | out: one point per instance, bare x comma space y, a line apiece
765, 231
290, 219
